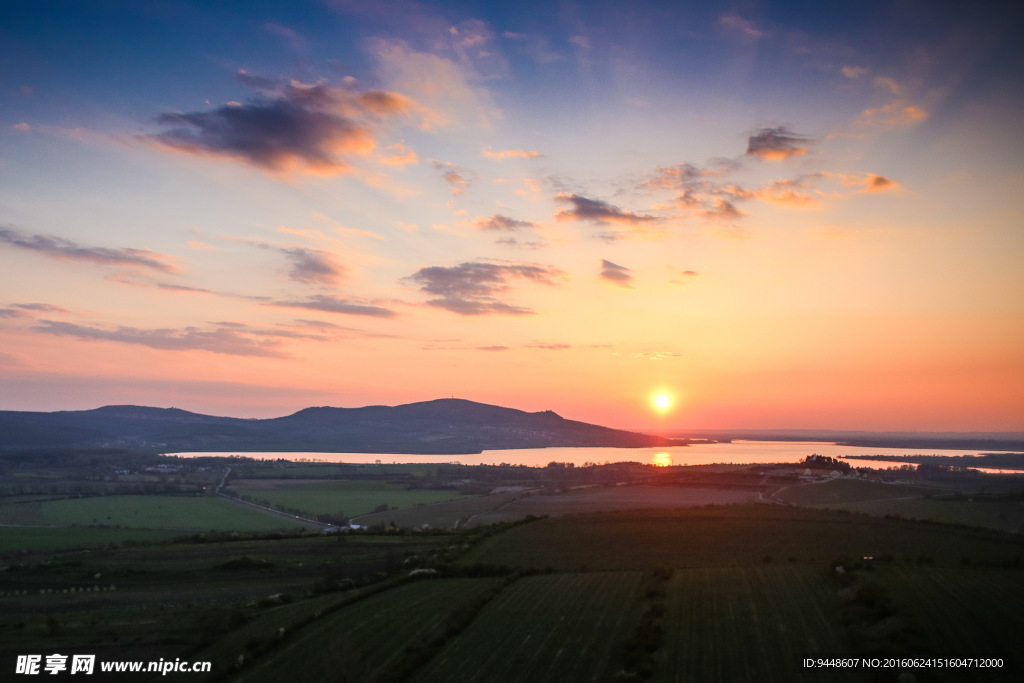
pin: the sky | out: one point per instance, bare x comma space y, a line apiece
775, 214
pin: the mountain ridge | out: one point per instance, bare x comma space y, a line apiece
442, 426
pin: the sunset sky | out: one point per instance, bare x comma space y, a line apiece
779, 214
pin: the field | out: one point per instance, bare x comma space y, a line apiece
978, 615
348, 641
18, 539
141, 512
341, 497
447, 515
658, 580
739, 623
716, 536
544, 628
896, 500
613, 498
840, 491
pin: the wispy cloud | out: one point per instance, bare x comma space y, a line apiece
225, 340
597, 211
489, 153
894, 115
469, 288
453, 175
291, 128
735, 25
777, 144
40, 308
500, 222
66, 250
313, 266
616, 274
333, 304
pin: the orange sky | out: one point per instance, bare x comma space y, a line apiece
780, 219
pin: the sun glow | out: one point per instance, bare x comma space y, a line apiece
662, 402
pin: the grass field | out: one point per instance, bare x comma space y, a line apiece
445, 515
751, 591
544, 628
1002, 515
15, 539
359, 642
141, 512
613, 498
751, 624
731, 535
349, 497
977, 614
841, 491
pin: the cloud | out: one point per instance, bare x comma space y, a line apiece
709, 195
289, 36
469, 288
776, 144
597, 211
401, 156
854, 72
734, 24
493, 348
488, 153
699, 191
656, 355
312, 266
218, 340
446, 86
614, 273
787, 192
877, 183
686, 275
866, 183
453, 175
333, 304
42, 308
519, 244
893, 116
12, 313
500, 222
291, 128
66, 250
11, 360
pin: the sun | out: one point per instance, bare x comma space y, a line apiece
662, 402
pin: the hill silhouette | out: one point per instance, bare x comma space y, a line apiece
443, 426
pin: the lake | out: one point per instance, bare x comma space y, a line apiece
737, 452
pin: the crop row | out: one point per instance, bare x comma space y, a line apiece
544, 628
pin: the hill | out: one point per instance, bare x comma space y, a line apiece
440, 427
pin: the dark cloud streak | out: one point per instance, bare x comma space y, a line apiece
66, 250
469, 288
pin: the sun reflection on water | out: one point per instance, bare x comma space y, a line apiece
662, 459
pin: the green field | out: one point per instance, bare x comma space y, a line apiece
351, 642
962, 613
604, 498
750, 624
445, 515
24, 538
732, 535
714, 593
840, 491
349, 497
1002, 515
544, 628
141, 512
